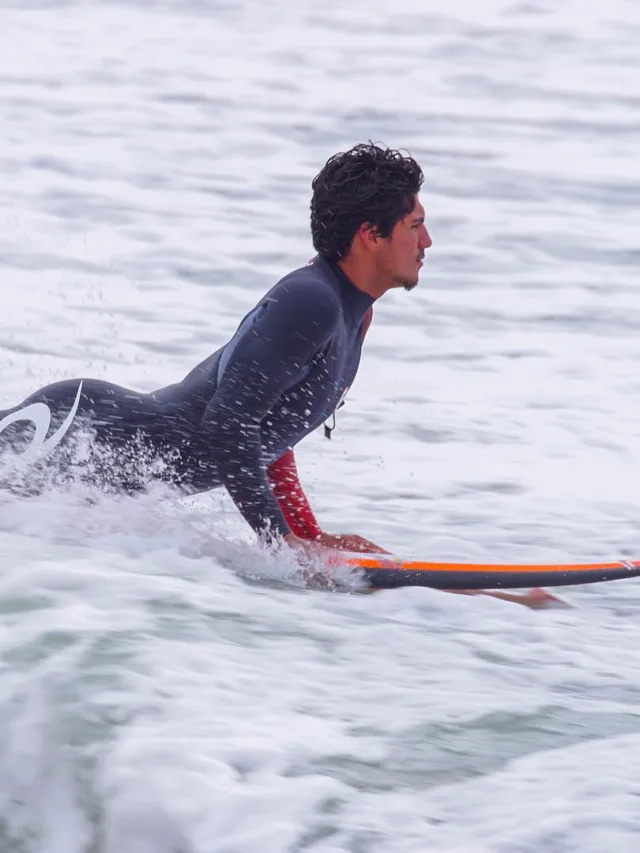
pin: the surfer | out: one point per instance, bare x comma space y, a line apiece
236, 418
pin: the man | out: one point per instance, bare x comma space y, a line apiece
235, 419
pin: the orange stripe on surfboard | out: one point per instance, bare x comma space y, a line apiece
390, 564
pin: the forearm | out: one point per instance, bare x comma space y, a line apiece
286, 487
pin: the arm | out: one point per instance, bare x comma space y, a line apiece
285, 484
284, 480
535, 599
264, 362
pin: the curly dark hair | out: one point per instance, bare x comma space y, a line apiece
368, 183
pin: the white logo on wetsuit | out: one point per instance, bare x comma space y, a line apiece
40, 416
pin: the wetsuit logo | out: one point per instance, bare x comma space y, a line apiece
40, 416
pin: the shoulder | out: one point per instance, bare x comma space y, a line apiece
316, 278
310, 290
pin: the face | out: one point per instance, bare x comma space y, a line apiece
401, 254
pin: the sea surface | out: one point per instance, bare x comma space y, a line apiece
167, 687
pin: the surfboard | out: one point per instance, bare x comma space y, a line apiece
384, 572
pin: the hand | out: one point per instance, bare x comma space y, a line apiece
294, 541
349, 542
324, 549
309, 548
310, 552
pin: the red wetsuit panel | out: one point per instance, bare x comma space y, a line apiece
285, 484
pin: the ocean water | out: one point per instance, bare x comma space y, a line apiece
165, 687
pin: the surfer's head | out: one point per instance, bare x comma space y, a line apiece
366, 215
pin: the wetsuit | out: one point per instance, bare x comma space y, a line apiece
233, 420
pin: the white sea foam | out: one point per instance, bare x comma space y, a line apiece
168, 687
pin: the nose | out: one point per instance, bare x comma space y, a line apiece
425, 239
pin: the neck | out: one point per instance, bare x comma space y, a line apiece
365, 277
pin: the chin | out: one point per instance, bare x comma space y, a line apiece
408, 282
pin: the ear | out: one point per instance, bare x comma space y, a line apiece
367, 234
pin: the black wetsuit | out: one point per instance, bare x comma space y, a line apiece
280, 376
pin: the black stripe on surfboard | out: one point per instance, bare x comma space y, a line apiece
393, 578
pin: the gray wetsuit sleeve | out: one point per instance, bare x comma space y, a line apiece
264, 361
